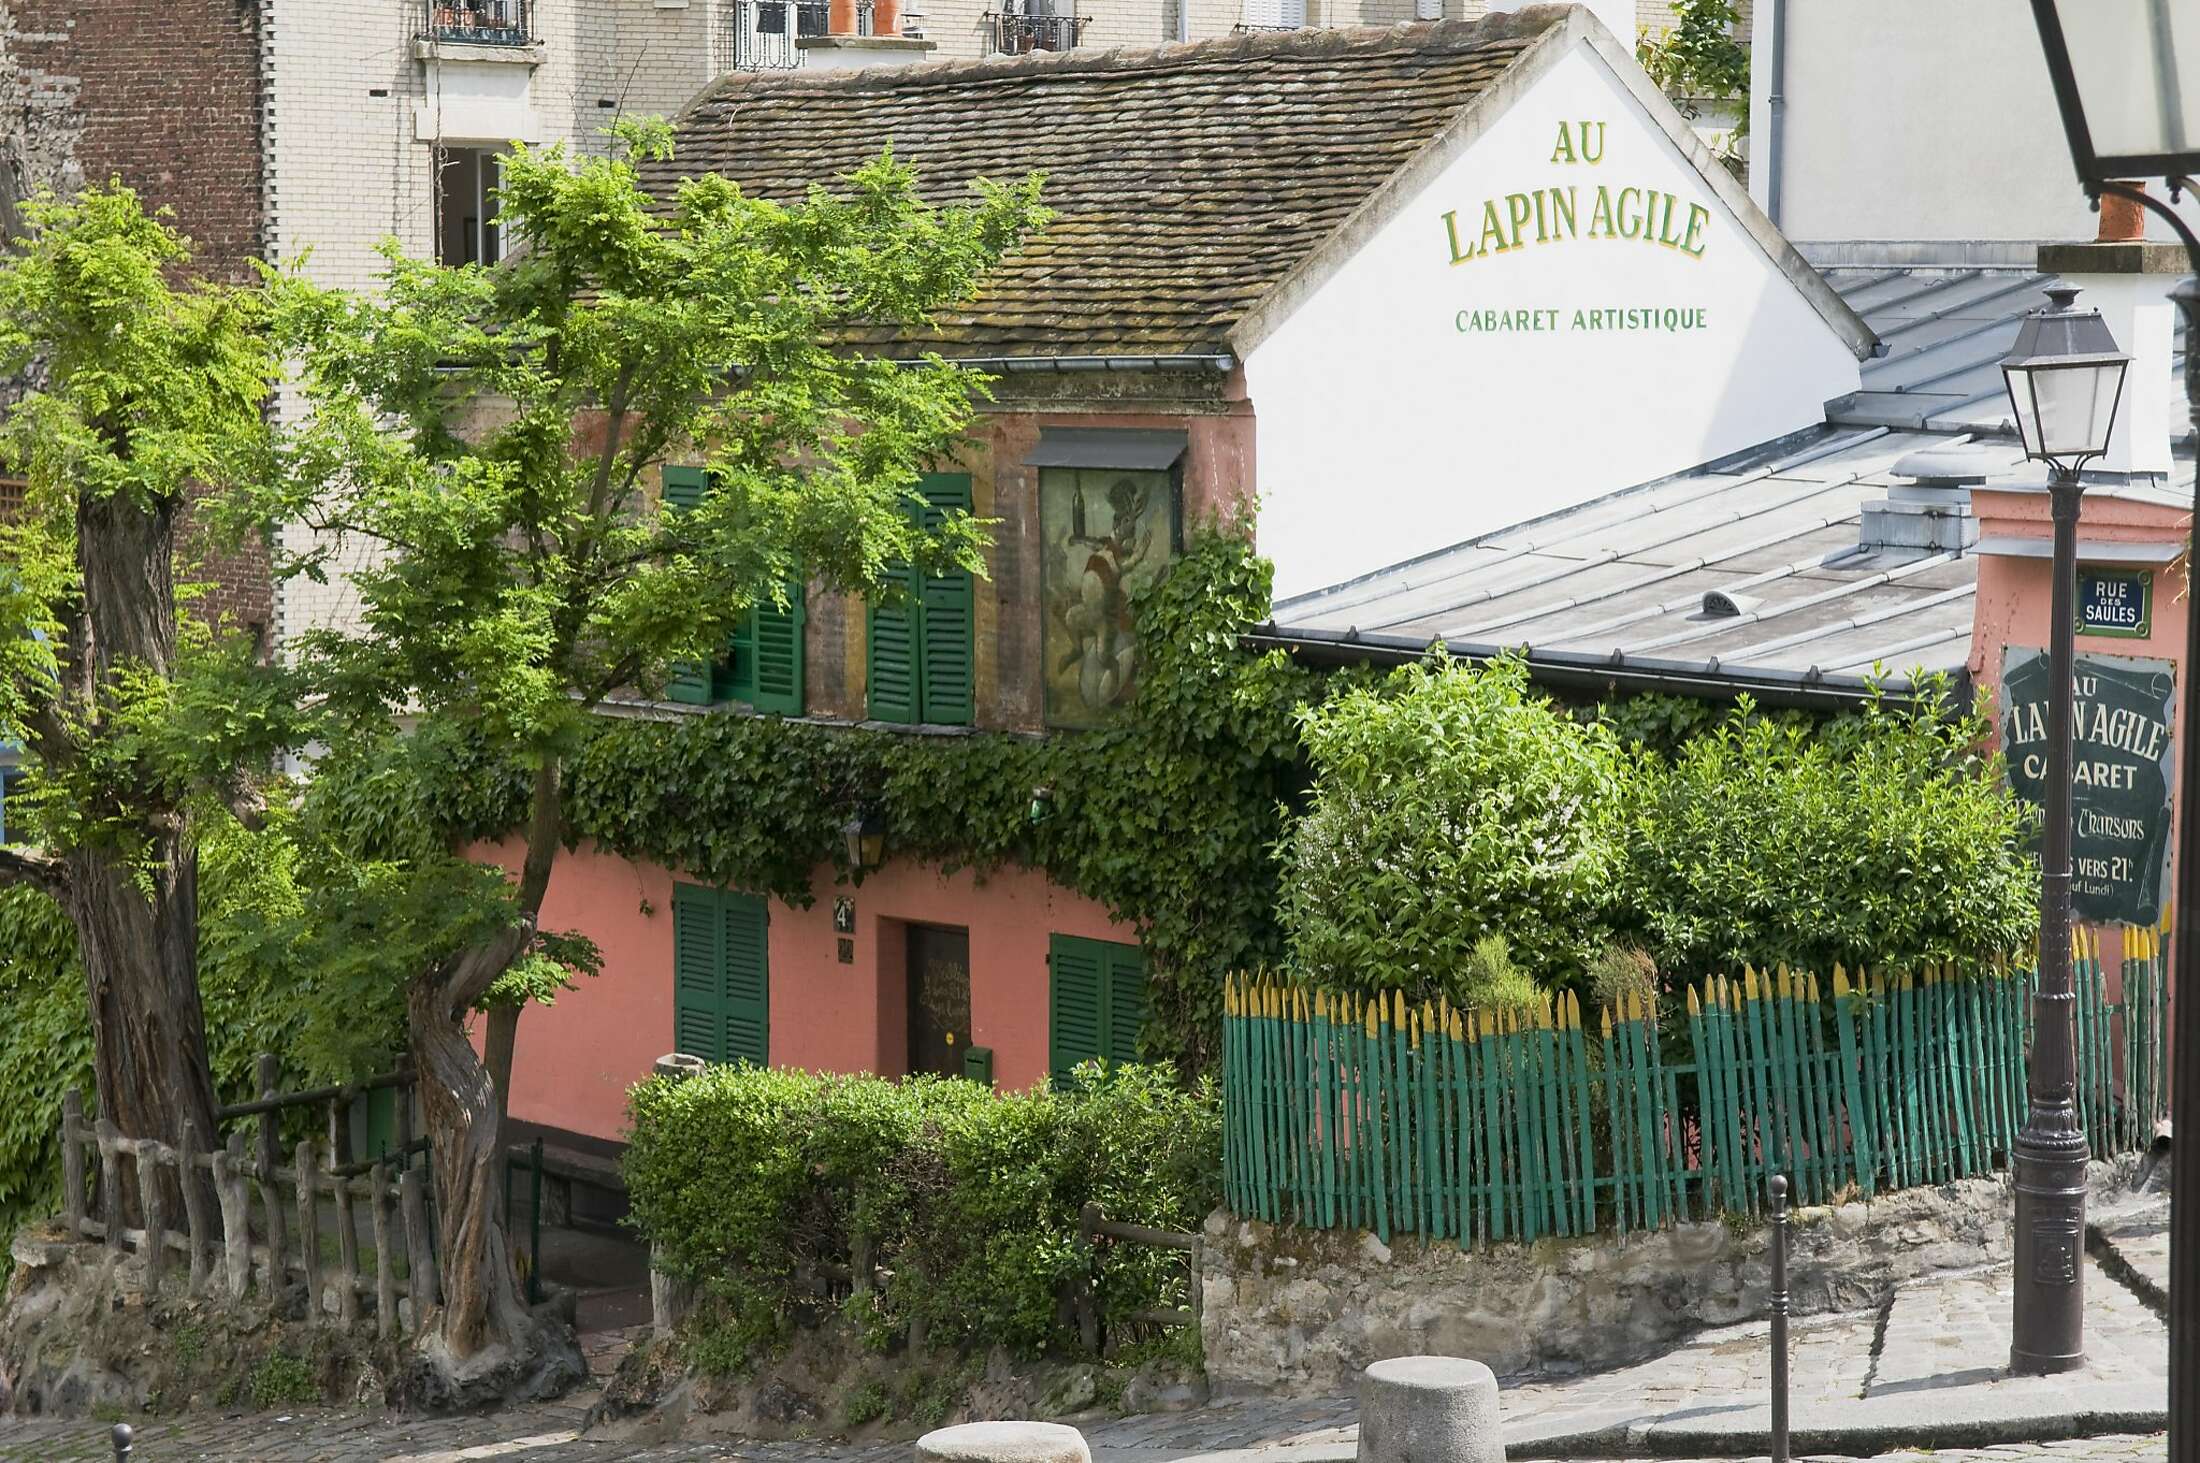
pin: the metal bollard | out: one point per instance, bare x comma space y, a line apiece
1778, 1187
122, 1437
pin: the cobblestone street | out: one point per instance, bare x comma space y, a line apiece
1927, 1365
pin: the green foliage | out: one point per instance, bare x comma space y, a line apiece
1452, 804
1699, 59
867, 1403
1620, 971
283, 1380
1891, 839
1489, 981
756, 1183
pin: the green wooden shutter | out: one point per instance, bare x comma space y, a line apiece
698, 990
1125, 990
690, 681
948, 681
745, 924
893, 652
1077, 985
774, 678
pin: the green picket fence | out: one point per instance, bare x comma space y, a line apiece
1370, 1113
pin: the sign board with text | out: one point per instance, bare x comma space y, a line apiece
2122, 773
2115, 602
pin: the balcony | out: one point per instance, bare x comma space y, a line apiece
479, 22
1034, 28
762, 35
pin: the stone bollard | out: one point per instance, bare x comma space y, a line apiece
1429, 1409
1004, 1442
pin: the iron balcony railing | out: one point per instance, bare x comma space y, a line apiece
1015, 33
760, 35
479, 22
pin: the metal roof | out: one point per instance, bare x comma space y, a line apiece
1945, 331
1614, 591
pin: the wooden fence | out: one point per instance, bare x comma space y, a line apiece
1477, 1126
217, 1225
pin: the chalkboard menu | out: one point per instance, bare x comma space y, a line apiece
2121, 774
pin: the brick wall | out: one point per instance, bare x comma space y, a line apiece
164, 95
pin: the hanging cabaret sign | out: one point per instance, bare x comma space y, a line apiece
2122, 776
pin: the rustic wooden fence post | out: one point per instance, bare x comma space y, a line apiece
309, 1230
425, 1285
72, 1163
155, 1247
268, 1158
347, 1254
385, 1269
236, 1201
195, 1217
110, 1183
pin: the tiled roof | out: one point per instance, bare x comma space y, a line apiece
1186, 180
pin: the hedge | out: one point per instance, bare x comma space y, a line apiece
755, 1184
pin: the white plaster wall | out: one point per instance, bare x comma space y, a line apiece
1914, 120
1385, 432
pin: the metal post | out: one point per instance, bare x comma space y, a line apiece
1778, 1187
122, 1437
534, 1224
2048, 1159
2184, 1202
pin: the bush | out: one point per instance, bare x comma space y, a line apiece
755, 1183
1890, 838
1452, 804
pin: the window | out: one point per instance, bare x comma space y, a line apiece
721, 975
11, 777
922, 664
466, 180
762, 662
1096, 1002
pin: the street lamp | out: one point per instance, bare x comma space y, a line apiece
2065, 377
2127, 77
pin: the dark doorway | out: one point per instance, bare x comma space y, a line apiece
939, 999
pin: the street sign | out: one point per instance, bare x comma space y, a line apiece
2122, 773
2116, 602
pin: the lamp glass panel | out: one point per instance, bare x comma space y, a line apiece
2075, 406
2027, 410
2137, 65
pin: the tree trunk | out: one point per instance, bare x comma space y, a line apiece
500, 1039
487, 1346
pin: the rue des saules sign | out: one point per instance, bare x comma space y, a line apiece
1582, 205
2121, 773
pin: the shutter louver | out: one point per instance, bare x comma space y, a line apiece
948, 689
892, 659
698, 1025
1126, 1001
747, 979
774, 681
1076, 986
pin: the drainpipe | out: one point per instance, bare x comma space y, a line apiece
1776, 111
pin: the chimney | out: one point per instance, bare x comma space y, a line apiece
1930, 514
2128, 280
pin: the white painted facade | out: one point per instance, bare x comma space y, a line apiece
1912, 130
1437, 380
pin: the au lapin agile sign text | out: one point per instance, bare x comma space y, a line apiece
2121, 774
1568, 212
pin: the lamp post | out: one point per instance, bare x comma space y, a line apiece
2127, 79
2065, 378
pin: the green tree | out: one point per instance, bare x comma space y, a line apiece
500, 430
144, 391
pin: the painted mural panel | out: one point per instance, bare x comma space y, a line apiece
1107, 533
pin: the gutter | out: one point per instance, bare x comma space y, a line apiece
1219, 362
1776, 112
1590, 671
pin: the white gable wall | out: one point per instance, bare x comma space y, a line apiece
1402, 407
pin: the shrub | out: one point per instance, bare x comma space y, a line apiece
1452, 804
756, 1183
1889, 838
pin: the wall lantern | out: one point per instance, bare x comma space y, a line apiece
2127, 77
2065, 378
866, 835
1042, 804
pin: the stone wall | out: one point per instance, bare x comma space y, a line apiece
1300, 1312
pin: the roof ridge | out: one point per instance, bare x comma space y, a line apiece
1439, 36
